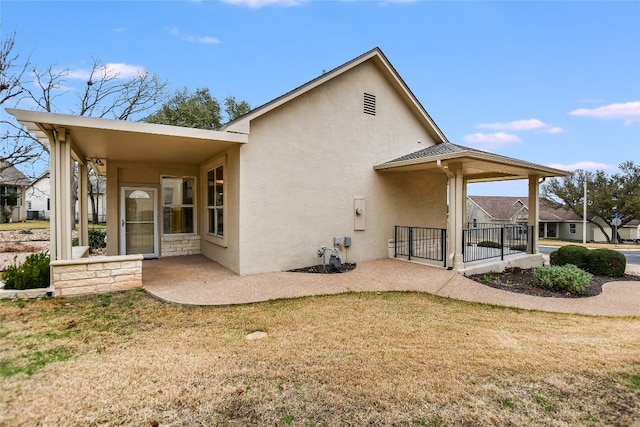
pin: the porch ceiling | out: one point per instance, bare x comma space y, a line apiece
475, 165
117, 140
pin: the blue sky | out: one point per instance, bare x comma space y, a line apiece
555, 83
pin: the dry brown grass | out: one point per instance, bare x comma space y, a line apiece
352, 359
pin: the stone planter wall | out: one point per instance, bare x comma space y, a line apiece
96, 275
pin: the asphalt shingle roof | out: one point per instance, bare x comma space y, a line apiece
9, 175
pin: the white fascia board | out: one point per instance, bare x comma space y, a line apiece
29, 118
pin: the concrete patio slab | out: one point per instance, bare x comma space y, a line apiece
196, 280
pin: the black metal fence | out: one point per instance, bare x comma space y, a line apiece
495, 241
420, 242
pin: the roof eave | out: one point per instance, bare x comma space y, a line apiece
472, 155
38, 122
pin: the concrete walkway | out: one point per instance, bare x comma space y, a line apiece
197, 280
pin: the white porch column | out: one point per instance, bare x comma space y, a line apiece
534, 205
61, 213
83, 214
458, 202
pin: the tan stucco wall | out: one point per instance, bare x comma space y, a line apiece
226, 250
306, 162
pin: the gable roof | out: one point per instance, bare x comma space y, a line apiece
477, 165
504, 207
375, 55
500, 207
9, 175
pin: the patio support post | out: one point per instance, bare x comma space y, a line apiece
83, 214
61, 196
534, 206
457, 197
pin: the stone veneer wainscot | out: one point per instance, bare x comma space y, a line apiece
181, 244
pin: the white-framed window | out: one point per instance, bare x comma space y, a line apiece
178, 204
572, 228
215, 200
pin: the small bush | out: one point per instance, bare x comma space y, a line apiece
31, 274
607, 262
489, 244
97, 239
570, 254
563, 278
521, 248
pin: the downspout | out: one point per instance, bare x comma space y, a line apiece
450, 176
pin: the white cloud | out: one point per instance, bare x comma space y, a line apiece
174, 31
201, 39
492, 140
584, 165
522, 126
256, 4
123, 71
628, 111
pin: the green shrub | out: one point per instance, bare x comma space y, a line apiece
563, 278
607, 262
97, 239
489, 244
570, 254
521, 248
31, 274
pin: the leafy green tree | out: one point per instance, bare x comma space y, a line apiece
197, 110
235, 109
194, 110
607, 194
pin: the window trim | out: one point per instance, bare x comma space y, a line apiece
209, 166
215, 207
193, 205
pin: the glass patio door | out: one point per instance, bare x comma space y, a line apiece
138, 222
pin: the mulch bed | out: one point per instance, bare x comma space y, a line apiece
521, 281
326, 269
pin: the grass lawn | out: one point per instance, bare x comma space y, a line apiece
10, 226
619, 246
380, 359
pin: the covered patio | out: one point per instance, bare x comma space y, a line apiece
462, 166
79, 142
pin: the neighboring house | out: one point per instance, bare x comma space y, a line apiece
351, 153
630, 231
13, 183
39, 201
554, 223
38, 198
496, 210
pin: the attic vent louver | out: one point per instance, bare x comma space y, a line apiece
369, 104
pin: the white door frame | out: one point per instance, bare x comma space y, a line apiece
123, 234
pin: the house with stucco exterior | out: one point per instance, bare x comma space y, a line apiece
13, 184
38, 196
553, 222
343, 160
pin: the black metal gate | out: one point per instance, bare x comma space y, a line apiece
420, 242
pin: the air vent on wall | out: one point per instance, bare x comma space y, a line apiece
369, 104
